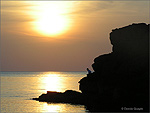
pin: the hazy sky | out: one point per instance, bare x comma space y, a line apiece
62, 36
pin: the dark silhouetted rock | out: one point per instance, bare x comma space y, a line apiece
120, 81
69, 96
121, 78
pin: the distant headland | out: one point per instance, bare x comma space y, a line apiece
120, 81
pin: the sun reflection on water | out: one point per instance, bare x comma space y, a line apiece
58, 107
58, 81
52, 82
51, 107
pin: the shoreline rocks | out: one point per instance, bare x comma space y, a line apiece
69, 96
120, 78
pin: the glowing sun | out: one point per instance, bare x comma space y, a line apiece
51, 19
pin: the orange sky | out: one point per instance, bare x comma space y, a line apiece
62, 36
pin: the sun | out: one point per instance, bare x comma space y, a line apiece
51, 19
51, 24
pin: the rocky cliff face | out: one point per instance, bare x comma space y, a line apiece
120, 81
121, 78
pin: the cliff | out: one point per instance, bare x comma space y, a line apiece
120, 81
121, 78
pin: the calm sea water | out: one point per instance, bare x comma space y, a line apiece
17, 89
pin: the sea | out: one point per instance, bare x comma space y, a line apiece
18, 89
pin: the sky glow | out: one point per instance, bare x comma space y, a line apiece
62, 35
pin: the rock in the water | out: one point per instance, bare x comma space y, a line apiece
69, 96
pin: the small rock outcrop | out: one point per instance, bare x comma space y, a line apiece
120, 81
69, 96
